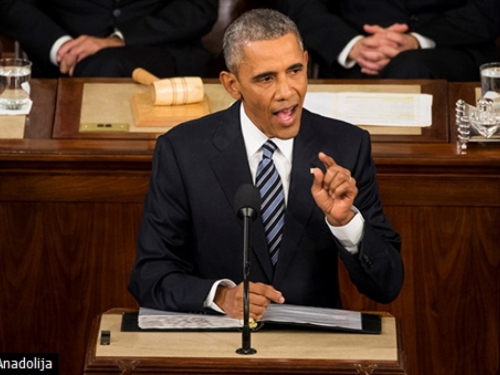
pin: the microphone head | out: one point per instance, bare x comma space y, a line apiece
247, 202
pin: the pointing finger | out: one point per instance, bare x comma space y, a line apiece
326, 160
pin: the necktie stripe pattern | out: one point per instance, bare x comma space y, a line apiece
272, 207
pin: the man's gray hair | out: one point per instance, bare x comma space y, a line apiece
255, 25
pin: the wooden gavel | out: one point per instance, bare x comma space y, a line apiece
171, 91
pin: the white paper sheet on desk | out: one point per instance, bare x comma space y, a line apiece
277, 313
383, 109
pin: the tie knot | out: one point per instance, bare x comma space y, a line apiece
268, 149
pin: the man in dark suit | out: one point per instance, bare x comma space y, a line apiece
445, 39
190, 241
111, 37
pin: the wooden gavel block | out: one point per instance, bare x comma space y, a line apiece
171, 91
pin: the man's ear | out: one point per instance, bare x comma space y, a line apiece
231, 84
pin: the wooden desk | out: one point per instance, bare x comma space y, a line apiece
41, 118
70, 209
278, 351
71, 92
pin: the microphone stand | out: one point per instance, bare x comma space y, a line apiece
247, 235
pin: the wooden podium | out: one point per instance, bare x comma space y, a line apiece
278, 351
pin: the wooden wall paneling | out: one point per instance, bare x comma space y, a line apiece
70, 209
76, 187
65, 229
68, 245
459, 289
66, 263
450, 302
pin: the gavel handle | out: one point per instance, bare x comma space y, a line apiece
143, 76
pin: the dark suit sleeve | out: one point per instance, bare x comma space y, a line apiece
147, 23
163, 274
325, 34
473, 24
327, 26
176, 22
23, 21
377, 269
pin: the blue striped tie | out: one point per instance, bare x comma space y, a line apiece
272, 206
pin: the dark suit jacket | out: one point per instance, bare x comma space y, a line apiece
190, 236
328, 25
165, 23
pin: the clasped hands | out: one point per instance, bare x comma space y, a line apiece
373, 52
75, 50
333, 191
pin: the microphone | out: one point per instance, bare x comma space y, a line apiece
247, 202
247, 207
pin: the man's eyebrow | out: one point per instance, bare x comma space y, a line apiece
259, 76
295, 66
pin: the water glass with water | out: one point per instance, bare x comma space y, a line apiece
14, 83
490, 79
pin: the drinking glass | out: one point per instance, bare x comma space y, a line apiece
14, 83
490, 80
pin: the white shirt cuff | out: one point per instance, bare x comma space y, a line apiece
209, 301
343, 58
55, 47
350, 234
425, 43
118, 34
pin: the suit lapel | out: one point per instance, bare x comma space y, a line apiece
300, 202
231, 168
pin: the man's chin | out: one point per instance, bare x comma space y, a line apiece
288, 132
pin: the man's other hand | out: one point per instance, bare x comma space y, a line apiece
373, 52
230, 300
76, 50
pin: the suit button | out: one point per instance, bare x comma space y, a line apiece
117, 13
367, 261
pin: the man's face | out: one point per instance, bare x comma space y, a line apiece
271, 82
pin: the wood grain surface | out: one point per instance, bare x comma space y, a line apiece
70, 209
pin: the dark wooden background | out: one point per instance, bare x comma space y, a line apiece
70, 209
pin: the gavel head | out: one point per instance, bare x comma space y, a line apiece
177, 91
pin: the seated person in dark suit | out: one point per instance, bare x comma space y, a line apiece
443, 39
325, 199
110, 38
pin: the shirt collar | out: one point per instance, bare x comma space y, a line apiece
254, 138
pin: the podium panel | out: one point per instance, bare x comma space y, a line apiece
279, 351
